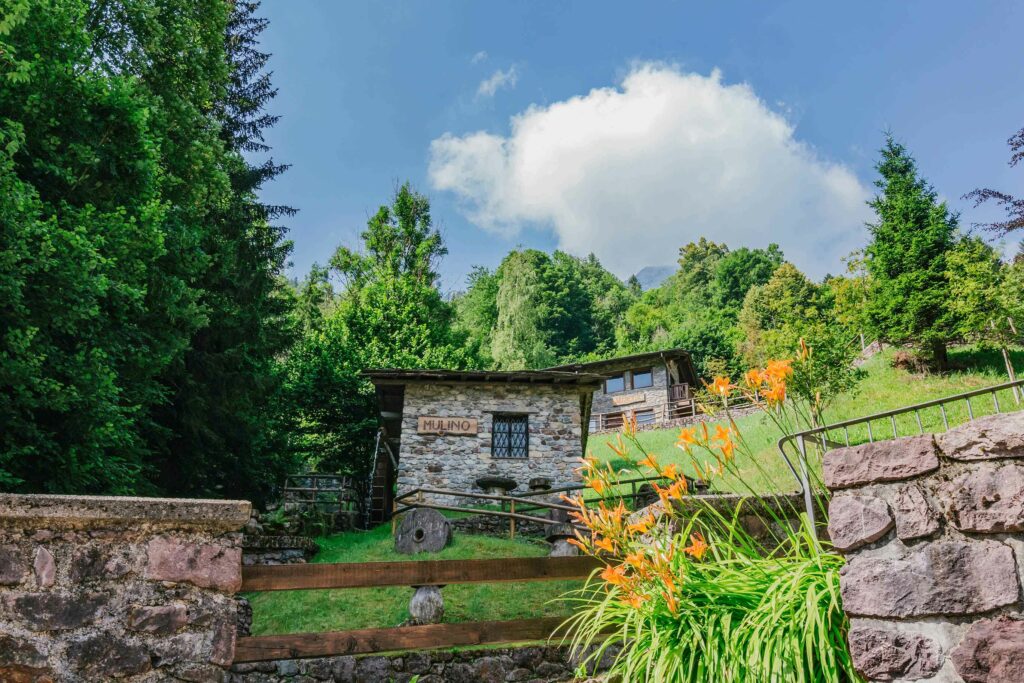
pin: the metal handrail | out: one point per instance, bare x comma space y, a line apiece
824, 432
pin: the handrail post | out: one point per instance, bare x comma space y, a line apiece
512, 521
806, 484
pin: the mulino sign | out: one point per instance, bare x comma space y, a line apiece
446, 425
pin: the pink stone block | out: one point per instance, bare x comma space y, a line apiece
203, 565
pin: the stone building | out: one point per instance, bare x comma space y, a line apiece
655, 388
448, 429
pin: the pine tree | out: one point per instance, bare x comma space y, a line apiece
225, 429
906, 259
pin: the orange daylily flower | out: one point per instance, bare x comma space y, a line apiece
615, 575
779, 369
649, 461
687, 436
728, 449
636, 559
698, 546
753, 378
722, 386
776, 394
634, 600
723, 433
605, 544
598, 485
578, 543
641, 526
671, 471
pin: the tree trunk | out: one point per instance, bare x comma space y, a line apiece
940, 359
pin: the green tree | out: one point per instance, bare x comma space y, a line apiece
226, 433
911, 239
737, 271
99, 303
389, 313
477, 314
520, 338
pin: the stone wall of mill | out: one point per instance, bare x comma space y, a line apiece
932, 528
134, 589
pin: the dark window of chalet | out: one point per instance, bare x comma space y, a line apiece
644, 417
615, 383
510, 437
643, 379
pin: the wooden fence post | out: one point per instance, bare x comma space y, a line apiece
512, 521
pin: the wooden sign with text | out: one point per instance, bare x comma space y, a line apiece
627, 399
446, 425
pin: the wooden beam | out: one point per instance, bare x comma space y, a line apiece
367, 640
413, 573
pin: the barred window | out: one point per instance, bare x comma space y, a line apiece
510, 437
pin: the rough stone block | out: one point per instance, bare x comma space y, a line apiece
915, 517
992, 651
54, 611
44, 567
12, 569
223, 645
856, 520
20, 652
945, 577
203, 565
103, 655
987, 438
159, 620
986, 499
879, 462
884, 655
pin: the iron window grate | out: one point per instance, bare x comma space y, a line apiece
510, 437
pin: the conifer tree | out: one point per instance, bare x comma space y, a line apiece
911, 238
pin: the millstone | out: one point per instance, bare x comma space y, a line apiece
422, 531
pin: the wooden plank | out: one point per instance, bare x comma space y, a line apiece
368, 640
423, 573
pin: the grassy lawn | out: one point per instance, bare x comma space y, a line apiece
335, 610
882, 388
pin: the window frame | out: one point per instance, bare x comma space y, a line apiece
625, 384
510, 419
644, 371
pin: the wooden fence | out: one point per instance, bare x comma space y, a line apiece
412, 573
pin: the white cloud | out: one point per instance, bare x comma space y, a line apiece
499, 79
478, 57
633, 172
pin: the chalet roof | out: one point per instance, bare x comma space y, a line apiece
385, 376
637, 358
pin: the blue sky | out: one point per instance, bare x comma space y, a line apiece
632, 128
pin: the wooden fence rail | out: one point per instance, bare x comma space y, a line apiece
414, 573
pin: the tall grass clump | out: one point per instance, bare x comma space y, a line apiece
696, 591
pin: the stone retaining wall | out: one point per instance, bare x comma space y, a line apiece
97, 588
259, 549
529, 664
932, 530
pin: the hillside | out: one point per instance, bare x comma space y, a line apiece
883, 387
